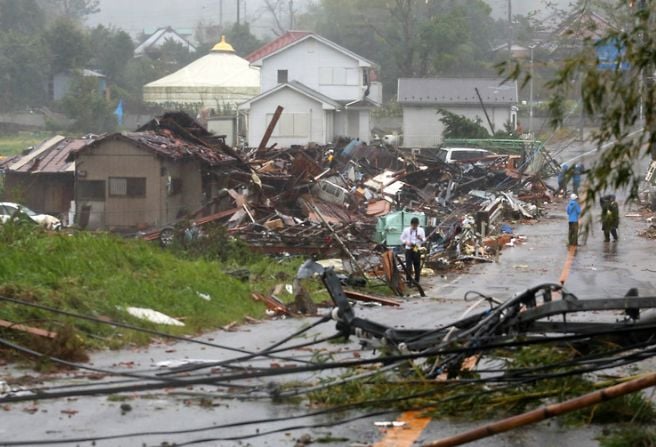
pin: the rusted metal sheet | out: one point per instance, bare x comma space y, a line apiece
271, 303
52, 159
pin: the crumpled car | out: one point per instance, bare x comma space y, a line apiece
9, 210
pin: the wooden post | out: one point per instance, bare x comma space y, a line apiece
272, 125
340, 242
547, 411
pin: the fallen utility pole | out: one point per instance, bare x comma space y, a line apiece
272, 125
547, 412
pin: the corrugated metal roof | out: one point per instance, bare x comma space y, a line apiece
281, 42
51, 157
453, 91
19, 161
166, 144
55, 161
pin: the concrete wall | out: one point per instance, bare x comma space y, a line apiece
293, 102
160, 206
422, 126
117, 158
305, 61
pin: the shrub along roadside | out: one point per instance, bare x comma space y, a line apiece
100, 275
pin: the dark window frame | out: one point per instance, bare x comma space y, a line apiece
283, 76
135, 187
90, 195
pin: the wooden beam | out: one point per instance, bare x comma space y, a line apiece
267, 135
30, 330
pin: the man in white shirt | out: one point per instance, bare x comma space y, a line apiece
412, 238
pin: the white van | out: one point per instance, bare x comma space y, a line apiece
462, 154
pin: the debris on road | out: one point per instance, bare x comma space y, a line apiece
291, 201
153, 316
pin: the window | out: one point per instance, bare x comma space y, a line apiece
283, 76
127, 187
338, 76
91, 190
291, 125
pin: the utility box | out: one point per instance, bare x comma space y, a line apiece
390, 226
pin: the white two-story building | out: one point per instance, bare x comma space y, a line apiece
326, 91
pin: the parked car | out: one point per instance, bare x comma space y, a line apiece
9, 210
463, 154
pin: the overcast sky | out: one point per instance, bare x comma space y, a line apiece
135, 16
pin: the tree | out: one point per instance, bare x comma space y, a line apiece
243, 41
24, 16
87, 106
72, 9
620, 96
173, 53
111, 50
459, 126
67, 46
23, 79
410, 38
238, 35
283, 14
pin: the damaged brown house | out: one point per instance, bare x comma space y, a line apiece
42, 178
165, 171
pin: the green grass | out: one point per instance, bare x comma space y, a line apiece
14, 144
630, 435
100, 274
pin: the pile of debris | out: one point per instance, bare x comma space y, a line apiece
350, 198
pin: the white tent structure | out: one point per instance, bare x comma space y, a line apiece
219, 80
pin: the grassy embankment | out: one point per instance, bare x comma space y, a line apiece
12, 144
100, 274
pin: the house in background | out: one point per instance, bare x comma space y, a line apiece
326, 91
420, 99
215, 83
43, 178
149, 178
154, 42
61, 82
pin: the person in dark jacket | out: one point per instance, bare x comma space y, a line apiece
562, 179
610, 217
573, 214
576, 177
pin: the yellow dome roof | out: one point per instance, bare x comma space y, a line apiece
223, 46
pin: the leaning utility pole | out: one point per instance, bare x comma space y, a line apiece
510, 29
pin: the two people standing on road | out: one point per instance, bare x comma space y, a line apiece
565, 173
576, 177
610, 217
573, 213
412, 239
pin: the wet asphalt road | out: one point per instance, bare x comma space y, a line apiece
599, 270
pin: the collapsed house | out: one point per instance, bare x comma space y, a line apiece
136, 180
